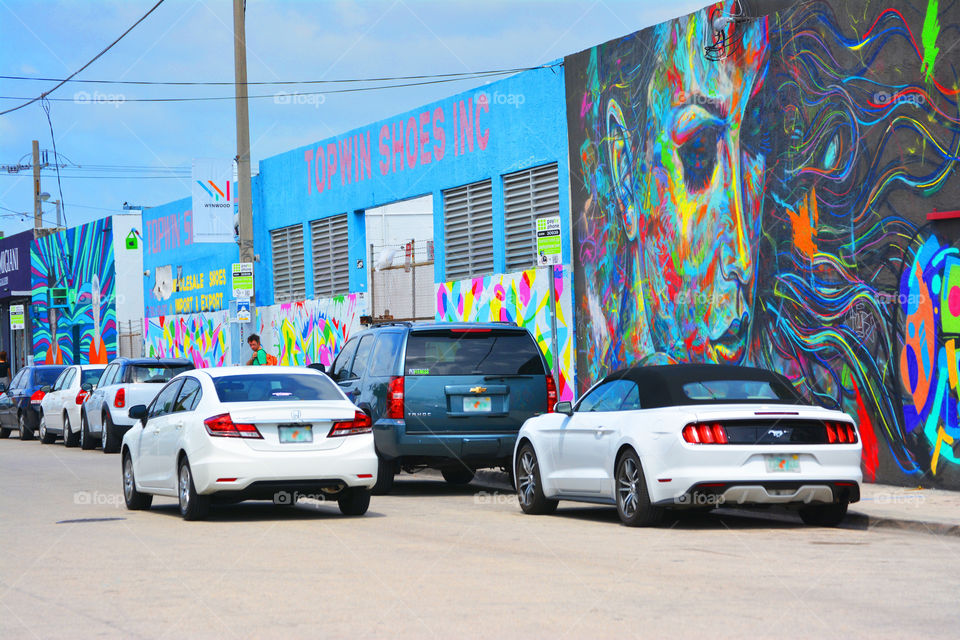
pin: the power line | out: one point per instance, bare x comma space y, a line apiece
92, 60
121, 177
269, 95
46, 109
464, 74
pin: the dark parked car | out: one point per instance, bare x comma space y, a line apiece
20, 404
449, 396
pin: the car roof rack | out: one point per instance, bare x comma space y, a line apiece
368, 321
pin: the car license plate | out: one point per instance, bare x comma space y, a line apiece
295, 433
783, 464
477, 404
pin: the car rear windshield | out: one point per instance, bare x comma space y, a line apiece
154, 372
746, 390
90, 375
275, 387
43, 377
473, 352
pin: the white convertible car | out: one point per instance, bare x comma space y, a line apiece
690, 436
240, 433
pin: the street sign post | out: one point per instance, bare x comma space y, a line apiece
549, 247
243, 310
17, 320
242, 284
550, 253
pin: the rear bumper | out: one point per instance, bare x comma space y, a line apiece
475, 449
765, 492
352, 464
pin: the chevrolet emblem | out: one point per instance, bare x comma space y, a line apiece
478, 389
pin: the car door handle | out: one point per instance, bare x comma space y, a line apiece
156, 431
179, 426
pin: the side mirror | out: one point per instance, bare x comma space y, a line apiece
3, 387
46, 388
87, 386
137, 412
566, 408
318, 366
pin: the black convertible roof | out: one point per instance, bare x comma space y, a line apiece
662, 385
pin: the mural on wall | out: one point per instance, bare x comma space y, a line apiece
74, 295
202, 338
300, 333
522, 298
771, 209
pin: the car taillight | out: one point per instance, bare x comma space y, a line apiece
359, 424
120, 400
395, 398
37, 397
840, 433
551, 393
705, 433
81, 396
223, 426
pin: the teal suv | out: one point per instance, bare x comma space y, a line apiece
447, 396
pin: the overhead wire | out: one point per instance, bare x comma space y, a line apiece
124, 99
465, 74
92, 60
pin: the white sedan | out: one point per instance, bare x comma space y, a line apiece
60, 407
690, 436
241, 433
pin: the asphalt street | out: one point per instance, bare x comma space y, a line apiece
432, 561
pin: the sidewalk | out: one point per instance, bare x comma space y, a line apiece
923, 510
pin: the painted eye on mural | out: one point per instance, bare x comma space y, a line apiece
699, 157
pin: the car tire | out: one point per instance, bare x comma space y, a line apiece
86, 440
109, 441
354, 501
457, 474
70, 439
5, 433
135, 500
824, 515
529, 487
192, 505
385, 473
45, 436
633, 499
26, 433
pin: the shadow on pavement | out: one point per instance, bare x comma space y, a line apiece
262, 511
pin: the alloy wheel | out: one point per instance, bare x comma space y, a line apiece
527, 480
128, 486
627, 492
184, 488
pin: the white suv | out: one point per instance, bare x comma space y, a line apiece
125, 382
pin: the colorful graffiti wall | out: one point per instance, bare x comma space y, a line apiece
771, 208
202, 338
74, 295
523, 298
300, 333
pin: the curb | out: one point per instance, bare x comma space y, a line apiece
858, 520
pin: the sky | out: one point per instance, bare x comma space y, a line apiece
97, 126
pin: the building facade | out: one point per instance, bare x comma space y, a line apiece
784, 201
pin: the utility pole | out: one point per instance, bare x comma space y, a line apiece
243, 135
37, 211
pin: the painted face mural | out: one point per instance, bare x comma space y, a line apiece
703, 152
771, 209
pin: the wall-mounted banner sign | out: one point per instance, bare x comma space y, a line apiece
548, 241
213, 200
17, 320
242, 280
